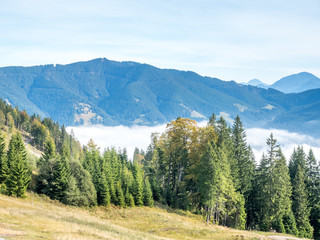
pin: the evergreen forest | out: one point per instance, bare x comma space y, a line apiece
210, 171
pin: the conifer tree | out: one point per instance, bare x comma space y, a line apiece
129, 199
217, 191
19, 173
147, 193
47, 168
103, 194
243, 157
60, 180
49, 151
4, 170
273, 190
313, 189
120, 195
138, 185
300, 204
224, 138
298, 158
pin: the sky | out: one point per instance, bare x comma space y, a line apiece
230, 39
121, 137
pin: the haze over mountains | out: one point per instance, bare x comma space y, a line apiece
128, 93
295, 83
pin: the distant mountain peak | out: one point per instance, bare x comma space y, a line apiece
257, 83
296, 83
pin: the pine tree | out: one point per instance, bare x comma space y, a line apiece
120, 196
300, 204
103, 194
19, 173
298, 158
49, 151
313, 188
60, 180
273, 190
4, 170
129, 199
147, 193
219, 198
137, 185
244, 159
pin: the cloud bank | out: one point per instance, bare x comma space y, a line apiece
139, 136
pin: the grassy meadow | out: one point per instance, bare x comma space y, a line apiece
38, 217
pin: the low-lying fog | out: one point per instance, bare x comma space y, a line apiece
139, 136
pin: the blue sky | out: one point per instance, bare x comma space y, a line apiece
231, 39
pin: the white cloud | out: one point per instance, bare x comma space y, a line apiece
118, 136
257, 137
139, 136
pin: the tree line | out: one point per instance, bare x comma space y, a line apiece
208, 170
212, 171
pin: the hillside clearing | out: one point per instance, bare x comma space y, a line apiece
40, 218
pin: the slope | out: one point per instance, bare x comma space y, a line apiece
37, 217
113, 93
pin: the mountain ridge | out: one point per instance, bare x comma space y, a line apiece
113, 93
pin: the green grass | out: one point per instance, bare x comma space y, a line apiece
37, 217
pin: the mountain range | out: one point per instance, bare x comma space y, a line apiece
295, 83
107, 92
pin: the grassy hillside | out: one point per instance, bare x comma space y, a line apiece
40, 218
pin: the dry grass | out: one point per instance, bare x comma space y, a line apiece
40, 218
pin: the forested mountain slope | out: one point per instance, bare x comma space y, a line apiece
113, 93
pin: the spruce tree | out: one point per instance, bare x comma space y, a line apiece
103, 194
129, 199
313, 188
4, 170
120, 195
300, 204
60, 180
147, 193
49, 151
19, 172
137, 185
298, 158
244, 159
273, 191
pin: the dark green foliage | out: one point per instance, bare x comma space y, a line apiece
147, 193
129, 199
137, 185
313, 189
244, 163
80, 192
4, 170
45, 178
19, 174
49, 151
300, 204
298, 158
103, 193
120, 196
289, 223
61, 176
273, 190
